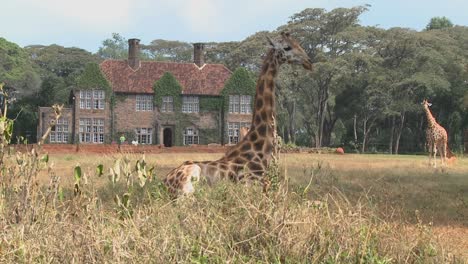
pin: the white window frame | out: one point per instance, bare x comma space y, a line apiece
190, 104
60, 132
167, 104
234, 131
144, 135
240, 104
144, 102
91, 130
92, 99
191, 136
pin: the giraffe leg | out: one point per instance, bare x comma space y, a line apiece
444, 154
430, 149
435, 156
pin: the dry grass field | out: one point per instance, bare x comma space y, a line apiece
329, 209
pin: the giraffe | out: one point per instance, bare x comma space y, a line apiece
248, 159
436, 137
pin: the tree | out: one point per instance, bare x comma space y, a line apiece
58, 67
168, 50
326, 37
365, 98
439, 23
114, 48
17, 71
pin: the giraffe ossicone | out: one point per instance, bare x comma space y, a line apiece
248, 159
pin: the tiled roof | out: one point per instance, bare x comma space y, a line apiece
207, 80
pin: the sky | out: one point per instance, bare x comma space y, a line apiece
86, 23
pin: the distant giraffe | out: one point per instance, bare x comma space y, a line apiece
249, 158
436, 137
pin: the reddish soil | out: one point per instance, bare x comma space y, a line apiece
114, 148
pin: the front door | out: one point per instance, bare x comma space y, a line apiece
167, 137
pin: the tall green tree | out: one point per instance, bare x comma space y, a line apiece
326, 37
58, 67
439, 23
17, 70
168, 50
115, 47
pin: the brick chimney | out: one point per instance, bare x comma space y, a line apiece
133, 53
198, 56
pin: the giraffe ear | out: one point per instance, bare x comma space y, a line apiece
429, 104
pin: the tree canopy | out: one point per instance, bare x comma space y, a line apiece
364, 92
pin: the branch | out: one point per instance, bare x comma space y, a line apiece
58, 113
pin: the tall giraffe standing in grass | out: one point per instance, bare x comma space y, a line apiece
249, 158
436, 137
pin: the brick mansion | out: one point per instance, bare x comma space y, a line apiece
204, 110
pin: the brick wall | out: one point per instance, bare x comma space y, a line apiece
127, 118
91, 113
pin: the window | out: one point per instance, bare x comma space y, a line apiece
190, 136
190, 104
233, 131
144, 103
91, 130
92, 99
240, 104
59, 133
144, 135
167, 104
245, 104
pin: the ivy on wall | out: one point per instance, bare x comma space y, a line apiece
168, 85
92, 78
240, 83
210, 103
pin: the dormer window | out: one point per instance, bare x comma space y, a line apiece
190, 104
144, 103
167, 104
240, 104
92, 99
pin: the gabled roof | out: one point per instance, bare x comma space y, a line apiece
207, 80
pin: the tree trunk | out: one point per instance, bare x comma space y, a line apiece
364, 129
355, 129
392, 132
292, 126
400, 130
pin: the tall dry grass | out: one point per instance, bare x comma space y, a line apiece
125, 218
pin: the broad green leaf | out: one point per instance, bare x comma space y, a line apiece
99, 170
45, 158
77, 174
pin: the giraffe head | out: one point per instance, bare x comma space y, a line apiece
426, 104
288, 50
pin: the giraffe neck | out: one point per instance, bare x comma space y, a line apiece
259, 140
264, 105
431, 122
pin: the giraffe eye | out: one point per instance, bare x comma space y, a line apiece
288, 48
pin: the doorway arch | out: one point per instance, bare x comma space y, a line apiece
167, 137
